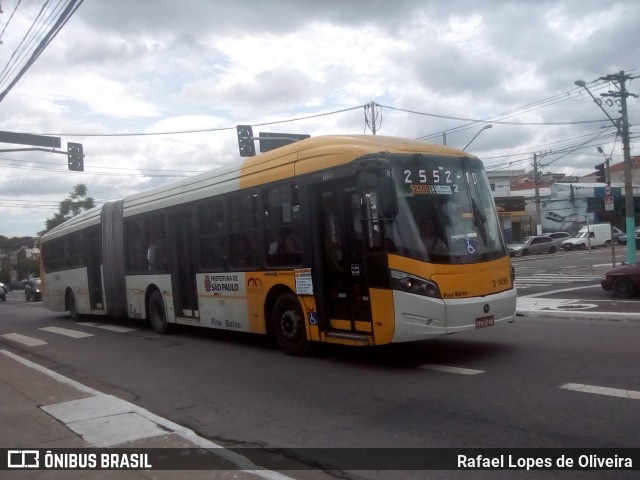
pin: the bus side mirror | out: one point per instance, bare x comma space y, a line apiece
388, 197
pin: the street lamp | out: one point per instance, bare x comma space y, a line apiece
622, 127
486, 127
583, 84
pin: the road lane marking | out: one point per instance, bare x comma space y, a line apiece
67, 332
447, 369
111, 328
612, 392
568, 277
23, 339
551, 292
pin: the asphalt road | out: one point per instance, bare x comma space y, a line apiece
568, 284
550, 272
539, 382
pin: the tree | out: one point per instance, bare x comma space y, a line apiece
28, 268
71, 206
24, 267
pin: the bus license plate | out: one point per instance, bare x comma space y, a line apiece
485, 321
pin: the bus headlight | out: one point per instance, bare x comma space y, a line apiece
405, 282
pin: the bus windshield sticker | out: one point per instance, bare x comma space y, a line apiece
432, 189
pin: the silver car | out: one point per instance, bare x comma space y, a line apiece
531, 245
558, 238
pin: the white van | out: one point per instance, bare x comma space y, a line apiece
599, 235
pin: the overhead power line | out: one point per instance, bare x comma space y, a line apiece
204, 130
10, 18
479, 120
64, 17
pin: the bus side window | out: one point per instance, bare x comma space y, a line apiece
213, 236
282, 226
243, 231
134, 257
156, 256
145, 243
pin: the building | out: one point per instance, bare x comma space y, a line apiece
566, 203
14, 261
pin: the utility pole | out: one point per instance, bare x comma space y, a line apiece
537, 198
371, 116
629, 203
537, 190
623, 130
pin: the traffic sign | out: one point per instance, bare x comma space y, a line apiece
608, 204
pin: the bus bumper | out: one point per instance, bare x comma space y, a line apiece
419, 318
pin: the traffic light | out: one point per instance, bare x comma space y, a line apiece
75, 157
245, 140
601, 176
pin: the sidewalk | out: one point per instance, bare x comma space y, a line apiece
44, 410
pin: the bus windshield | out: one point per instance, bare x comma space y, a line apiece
446, 213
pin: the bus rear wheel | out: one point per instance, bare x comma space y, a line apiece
73, 307
289, 325
157, 313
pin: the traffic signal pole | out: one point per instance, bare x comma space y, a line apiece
75, 156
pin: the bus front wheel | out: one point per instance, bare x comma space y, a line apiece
157, 314
289, 325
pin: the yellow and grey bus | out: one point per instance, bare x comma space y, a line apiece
354, 240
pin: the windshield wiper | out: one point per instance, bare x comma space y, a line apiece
479, 220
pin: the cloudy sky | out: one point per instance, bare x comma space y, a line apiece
153, 89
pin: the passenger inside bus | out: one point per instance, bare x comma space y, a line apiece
285, 249
430, 238
291, 242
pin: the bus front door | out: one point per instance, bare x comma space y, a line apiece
343, 292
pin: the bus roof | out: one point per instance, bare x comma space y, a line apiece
298, 158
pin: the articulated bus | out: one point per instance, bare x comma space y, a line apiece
354, 240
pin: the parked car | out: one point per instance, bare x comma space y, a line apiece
531, 245
3, 292
617, 233
558, 238
622, 239
3, 288
596, 235
623, 281
32, 290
